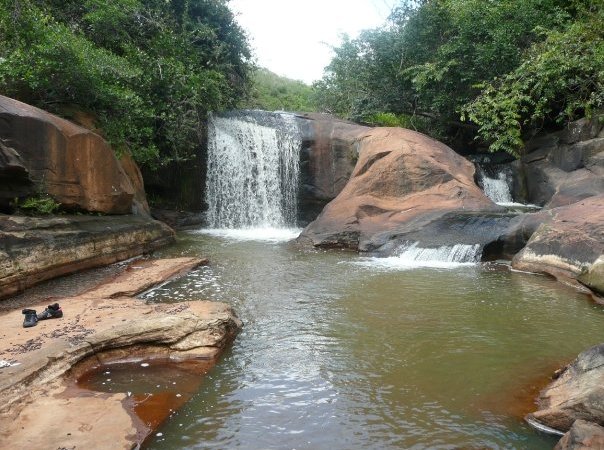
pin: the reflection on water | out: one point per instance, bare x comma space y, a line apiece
339, 355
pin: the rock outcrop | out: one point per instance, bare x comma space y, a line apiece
577, 394
563, 167
42, 153
568, 241
104, 323
33, 249
593, 277
403, 182
582, 436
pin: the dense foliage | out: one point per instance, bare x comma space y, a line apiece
147, 70
272, 92
466, 69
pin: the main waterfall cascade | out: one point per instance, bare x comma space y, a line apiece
253, 170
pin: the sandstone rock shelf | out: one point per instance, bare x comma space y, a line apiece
102, 321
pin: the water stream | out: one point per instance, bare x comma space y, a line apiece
343, 352
427, 349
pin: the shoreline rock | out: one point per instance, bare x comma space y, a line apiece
576, 394
34, 249
99, 321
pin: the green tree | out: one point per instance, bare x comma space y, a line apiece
272, 92
149, 70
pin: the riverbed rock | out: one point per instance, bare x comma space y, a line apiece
72, 164
34, 249
403, 181
568, 242
582, 436
105, 323
577, 394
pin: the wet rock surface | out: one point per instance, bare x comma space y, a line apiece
103, 320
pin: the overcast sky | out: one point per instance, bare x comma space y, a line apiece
293, 37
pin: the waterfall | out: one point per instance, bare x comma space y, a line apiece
496, 184
253, 170
457, 253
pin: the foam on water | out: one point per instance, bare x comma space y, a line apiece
262, 234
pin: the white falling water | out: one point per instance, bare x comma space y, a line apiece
496, 186
411, 256
253, 172
497, 189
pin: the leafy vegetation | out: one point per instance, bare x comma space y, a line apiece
466, 69
148, 70
272, 92
42, 204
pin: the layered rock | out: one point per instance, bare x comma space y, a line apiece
577, 394
563, 167
36, 249
568, 242
42, 153
403, 181
106, 324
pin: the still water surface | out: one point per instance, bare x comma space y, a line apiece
338, 352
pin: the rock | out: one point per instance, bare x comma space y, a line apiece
73, 165
36, 249
180, 220
582, 436
593, 277
96, 329
564, 167
14, 177
577, 394
139, 202
568, 242
328, 156
402, 182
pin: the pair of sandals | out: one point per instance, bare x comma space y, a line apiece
51, 312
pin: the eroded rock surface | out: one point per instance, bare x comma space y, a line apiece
402, 182
577, 394
99, 321
33, 249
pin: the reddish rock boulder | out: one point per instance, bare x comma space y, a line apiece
73, 165
578, 393
402, 182
582, 436
568, 242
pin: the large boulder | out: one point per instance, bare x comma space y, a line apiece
577, 394
72, 164
593, 276
567, 242
403, 181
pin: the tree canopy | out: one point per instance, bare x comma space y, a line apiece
147, 70
272, 92
467, 70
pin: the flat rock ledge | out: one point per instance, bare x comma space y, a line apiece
574, 397
34, 249
36, 391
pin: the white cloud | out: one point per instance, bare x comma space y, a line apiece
294, 37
